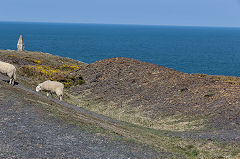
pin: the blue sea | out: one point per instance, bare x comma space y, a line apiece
207, 50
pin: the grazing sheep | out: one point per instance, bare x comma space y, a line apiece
51, 86
8, 69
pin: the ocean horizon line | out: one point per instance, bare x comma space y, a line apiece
122, 24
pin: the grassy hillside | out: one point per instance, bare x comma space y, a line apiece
194, 115
36, 67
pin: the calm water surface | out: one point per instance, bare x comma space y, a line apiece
206, 50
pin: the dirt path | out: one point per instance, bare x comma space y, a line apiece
26, 131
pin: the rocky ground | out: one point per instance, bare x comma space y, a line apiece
29, 131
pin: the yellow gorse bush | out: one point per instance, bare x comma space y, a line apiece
12, 56
61, 73
73, 67
43, 70
66, 83
26, 59
37, 61
40, 70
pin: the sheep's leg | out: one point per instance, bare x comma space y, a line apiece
60, 97
47, 93
13, 82
10, 76
10, 81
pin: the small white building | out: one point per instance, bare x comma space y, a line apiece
20, 44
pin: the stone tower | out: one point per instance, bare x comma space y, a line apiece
20, 44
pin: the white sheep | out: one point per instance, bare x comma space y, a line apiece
51, 86
10, 70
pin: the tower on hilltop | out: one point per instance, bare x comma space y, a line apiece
20, 44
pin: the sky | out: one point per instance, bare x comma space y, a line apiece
145, 12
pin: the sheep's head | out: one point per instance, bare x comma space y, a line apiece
38, 88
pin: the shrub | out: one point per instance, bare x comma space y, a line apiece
62, 74
69, 67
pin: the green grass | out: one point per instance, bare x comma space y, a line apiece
137, 116
144, 130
